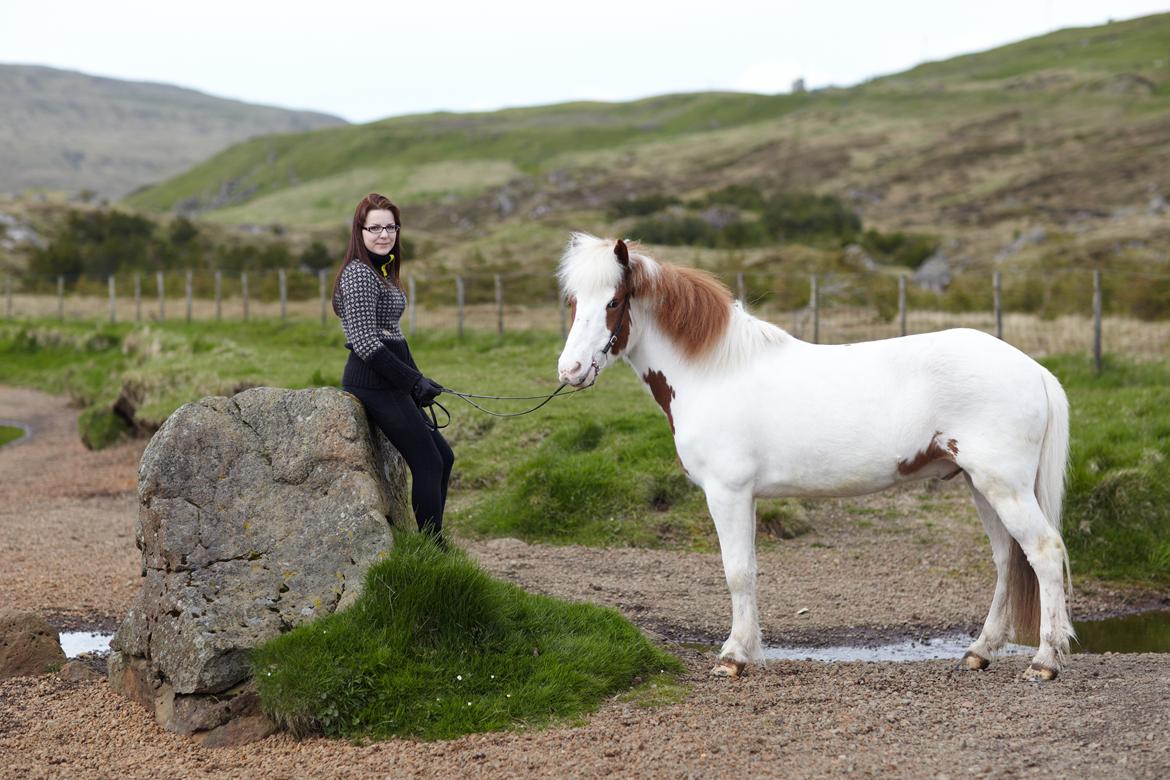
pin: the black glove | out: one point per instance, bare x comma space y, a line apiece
425, 391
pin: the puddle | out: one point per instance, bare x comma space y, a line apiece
1146, 632
951, 646
74, 643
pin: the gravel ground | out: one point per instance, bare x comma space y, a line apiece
907, 563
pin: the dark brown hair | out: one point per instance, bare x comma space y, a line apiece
357, 251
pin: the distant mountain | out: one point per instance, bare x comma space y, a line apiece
62, 130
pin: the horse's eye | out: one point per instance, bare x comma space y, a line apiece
612, 304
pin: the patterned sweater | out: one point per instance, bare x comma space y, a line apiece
370, 311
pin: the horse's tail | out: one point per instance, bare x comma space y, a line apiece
1023, 587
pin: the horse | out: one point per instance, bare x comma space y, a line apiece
756, 412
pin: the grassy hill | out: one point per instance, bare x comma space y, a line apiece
1070, 131
62, 130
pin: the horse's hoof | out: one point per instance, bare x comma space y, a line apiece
1040, 673
975, 662
728, 668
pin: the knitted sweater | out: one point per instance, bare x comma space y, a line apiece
370, 310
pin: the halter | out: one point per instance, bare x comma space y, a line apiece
614, 335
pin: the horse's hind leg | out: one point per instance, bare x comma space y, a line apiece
998, 624
734, 515
1021, 515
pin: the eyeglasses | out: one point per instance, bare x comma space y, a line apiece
377, 229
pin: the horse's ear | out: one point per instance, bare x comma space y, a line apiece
623, 253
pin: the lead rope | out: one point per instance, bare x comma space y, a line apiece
614, 335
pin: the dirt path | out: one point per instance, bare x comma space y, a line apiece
900, 564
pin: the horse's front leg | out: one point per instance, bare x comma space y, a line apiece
734, 512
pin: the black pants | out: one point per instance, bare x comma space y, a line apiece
425, 450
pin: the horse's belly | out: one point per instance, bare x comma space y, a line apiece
778, 472
822, 479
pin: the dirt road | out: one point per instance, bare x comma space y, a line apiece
906, 563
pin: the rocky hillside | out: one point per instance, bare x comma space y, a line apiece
1068, 133
61, 130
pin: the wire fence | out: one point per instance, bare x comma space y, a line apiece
1074, 311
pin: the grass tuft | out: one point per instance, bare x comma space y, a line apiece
435, 648
100, 427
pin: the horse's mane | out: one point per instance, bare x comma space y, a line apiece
690, 306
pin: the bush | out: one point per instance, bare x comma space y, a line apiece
675, 231
742, 196
793, 216
907, 249
436, 648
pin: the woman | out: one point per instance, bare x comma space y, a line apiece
368, 298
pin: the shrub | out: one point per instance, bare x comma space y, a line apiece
743, 196
671, 230
907, 249
793, 216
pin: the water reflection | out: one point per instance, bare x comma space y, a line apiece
1147, 632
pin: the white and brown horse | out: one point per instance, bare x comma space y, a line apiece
758, 413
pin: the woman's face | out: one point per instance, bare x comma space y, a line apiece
380, 242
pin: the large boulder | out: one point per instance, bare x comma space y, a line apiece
256, 513
28, 645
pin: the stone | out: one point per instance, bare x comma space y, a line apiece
934, 273
78, 671
257, 513
28, 645
241, 731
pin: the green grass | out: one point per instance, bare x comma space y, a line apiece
8, 433
1117, 510
435, 648
596, 467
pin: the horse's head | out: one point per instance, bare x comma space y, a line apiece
596, 277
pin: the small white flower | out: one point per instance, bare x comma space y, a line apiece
468, 704
509, 695
458, 677
493, 677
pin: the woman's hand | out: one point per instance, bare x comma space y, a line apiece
425, 391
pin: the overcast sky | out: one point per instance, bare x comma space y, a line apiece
366, 61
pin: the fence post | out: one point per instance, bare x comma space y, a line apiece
283, 277
321, 292
814, 303
499, 306
1097, 320
60, 297
902, 303
218, 295
138, 297
189, 296
742, 287
113, 300
459, 303
413, 305
8, 295
162, 309
997, 304
244, 292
